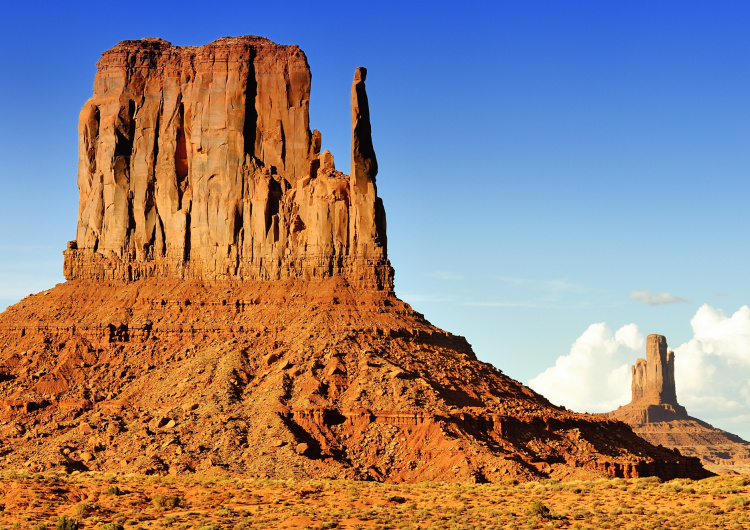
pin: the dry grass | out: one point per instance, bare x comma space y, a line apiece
110, 502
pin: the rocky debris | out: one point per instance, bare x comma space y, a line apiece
359, 386
655, 415
200, 163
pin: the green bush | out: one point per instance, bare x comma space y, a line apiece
84, 509
66, 523
113, 490
111, 526
537, 508
737, 502
162, 502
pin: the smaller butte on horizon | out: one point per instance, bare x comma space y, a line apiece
655, 415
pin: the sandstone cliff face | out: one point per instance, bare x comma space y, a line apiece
200, 163
656, 416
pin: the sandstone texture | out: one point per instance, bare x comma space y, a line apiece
656, 416
230, 309
283, 379
200, 163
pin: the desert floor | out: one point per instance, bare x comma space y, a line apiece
109, 502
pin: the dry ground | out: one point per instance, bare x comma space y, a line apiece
95, 500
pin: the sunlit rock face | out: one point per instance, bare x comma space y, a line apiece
653, 387
199, 162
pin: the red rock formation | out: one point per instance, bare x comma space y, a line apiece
655, 415
199, 163
653, 388
281, 379
169, 350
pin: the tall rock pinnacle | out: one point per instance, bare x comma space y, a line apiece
653, 377
198, 162
367, 224
653, 388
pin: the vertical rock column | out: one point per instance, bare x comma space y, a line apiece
653, 377
367, 220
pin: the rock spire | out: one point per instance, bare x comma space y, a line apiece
653, 388
198, 162
653, 377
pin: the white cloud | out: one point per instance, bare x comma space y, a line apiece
712, 370
595, 375
645, 296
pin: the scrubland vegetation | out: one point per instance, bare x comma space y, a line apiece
115, 502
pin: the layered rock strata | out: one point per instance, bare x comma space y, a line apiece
655, 415
200, 163
284, 379
168, 350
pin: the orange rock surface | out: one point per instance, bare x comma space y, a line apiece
656, 416
200, 163
230, 308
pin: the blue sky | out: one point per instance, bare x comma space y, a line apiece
539, 161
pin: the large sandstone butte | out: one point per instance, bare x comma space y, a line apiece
656, 416
199, 163
230, 307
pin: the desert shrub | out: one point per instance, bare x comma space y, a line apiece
539, 509
40, 526
737, 502
398, 499
111, 526
113, 490
66, 523
329, 524
168, 502
84, 509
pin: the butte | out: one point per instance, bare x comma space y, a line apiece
229, 305
655, 415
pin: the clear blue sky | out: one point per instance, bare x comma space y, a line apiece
539, 161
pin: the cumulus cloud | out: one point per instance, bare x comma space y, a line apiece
645, 296
595, 375
712, 370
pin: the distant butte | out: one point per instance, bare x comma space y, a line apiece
230, 305
655, 415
